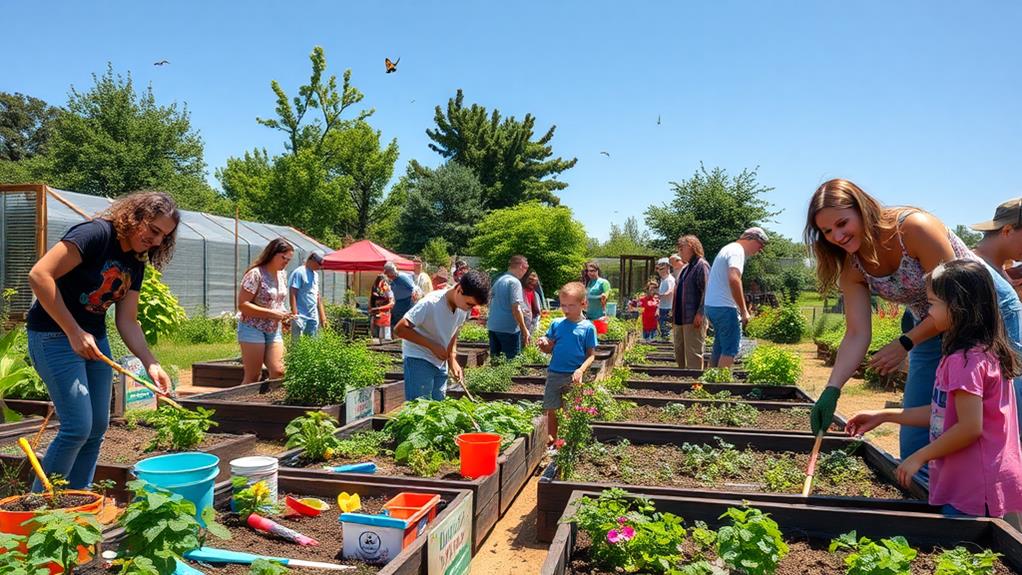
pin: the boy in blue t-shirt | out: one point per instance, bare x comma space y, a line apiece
572, 342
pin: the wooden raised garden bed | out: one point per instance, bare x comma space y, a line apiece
25, 427
491, 495
668, 371
468, 354
253, 408
413, 560
123, 447
228, 372
805, 528
553, 493
667, 392
31, 406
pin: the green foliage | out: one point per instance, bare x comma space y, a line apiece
575, 427
356, 152
717, 375
796, 280
616, 382
511, 164
264, 567
531, 355
26, 125
203, 328
159, 527
842, 466
712, 205
443, 203
14, 562
314, 433
783, 475
617, 330
255, 498
159, 312
362, 445
628, 535
321, 370
883, 329
752, 543
638, 353
552, 240
760, 323
723, 415
426, 463
892, 556
960, 561
473, 332
15, 372
176, 429
435, 253
57, 536
969, 237
785, 324
708, 464
772, 365
495, 377
826, 324
626, 240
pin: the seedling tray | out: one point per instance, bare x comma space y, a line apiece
553, 493
800, 522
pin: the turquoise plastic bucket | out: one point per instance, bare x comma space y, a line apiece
176, 468
199, 493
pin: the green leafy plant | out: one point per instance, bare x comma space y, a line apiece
531, 355
255, 498
892, 556
363, 444
176, 429
495, 377
574, 422
159, 312
731, 415
717, 375
321, 370
708, 463
159, 527
769, 364
752, 543
57, 536
783, 475
426, 463
14, 562
638, 353
472, 332
616, 382
788, 325
103, 486
617, 330
961, 561
264, 567
700, 392
14, 370
842, 466
202, 328
314, 433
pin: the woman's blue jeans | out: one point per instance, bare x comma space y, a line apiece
922, 374
80, 391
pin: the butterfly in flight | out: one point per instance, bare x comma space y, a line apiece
161, 62
391, 66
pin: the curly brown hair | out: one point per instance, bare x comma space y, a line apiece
140, 209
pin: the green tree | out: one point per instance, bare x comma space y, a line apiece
386, 230
713, 206
355, 152
624, 240
968, 236
442, 203
246, 181
552, 240
510, 164
112, 140
303, 194
768, 267
26, 124
435, 253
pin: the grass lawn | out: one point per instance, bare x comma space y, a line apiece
184, 355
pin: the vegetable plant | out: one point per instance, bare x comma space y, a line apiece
892, 556
322, 370
57, 536
363, 444
717, 375
638, 353
473, 333
708, 463
495, 377
159, 527
531, 355
255, 498
841, 465
14, 562
615, 382
176, 429
617, 330
768, 364
159, 312
264, 567
783, 475
960, 561
752, 543
14, 371
314, 433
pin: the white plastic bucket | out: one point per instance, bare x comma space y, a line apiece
257, 468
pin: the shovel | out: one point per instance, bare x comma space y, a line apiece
811, 470
214, 556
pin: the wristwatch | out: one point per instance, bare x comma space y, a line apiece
906, 342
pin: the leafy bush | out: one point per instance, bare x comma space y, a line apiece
752, 543
159, 312
532, 356
14, 370
321, 370
495, 377
473, 332
314, 433
616, 382
884, 330
759, 324
58, 535
617, 330
14, 562
638, 353
960, 561
717, 375
176, 429
785, 324
770, 364
892, 556
202, 328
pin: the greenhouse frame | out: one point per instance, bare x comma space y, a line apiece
211, 255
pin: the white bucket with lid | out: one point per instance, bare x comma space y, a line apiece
257, 468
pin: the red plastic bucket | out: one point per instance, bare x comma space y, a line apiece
479, 453
600, 325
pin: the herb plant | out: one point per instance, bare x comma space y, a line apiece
473, 332
616, 382
960, 561
264, 567
717, 375
783, 475
638, 353
752, 543
58, 535
709, 464
772, 365
177, 429
842, 466
495, 377
531, 355
892, 556
314, 433
322, 370
617, 330
363, 444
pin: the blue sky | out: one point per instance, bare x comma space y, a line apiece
917, 101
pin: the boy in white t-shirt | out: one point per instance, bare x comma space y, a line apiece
430, 334
724, 300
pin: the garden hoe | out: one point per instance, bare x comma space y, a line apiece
159, 394
811, 470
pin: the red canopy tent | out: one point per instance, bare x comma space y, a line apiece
364, 256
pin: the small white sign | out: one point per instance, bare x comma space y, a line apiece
358, 404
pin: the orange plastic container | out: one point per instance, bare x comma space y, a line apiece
600, 325
11, 522
479, 453
412, 506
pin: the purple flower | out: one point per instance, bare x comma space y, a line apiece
622, 520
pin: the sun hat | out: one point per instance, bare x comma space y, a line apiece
1007, 214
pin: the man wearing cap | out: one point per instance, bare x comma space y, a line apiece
666, 291
725, 299
306, 303
404, 289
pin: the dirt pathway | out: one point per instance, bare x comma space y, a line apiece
511, 548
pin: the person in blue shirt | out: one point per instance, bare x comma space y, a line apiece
571, 341
506, 322
306, 302
404, 290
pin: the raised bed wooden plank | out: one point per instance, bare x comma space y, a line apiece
513, 473
788, 394
468, 356
30, 406
553, 493
228, 372
27, 427
797, 522
390, 396
671, 371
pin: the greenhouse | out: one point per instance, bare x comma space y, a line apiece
212, 251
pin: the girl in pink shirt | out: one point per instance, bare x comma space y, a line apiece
974, 453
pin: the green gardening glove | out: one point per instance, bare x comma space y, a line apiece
823, 410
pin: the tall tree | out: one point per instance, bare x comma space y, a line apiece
26, 124
355, 152
112, 140
624, 240
442, 203
386, 229
968, 236
713, 206
510, 164
549, 236
246, 181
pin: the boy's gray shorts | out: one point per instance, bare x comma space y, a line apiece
553, 392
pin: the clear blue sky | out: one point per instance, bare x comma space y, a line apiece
918, 101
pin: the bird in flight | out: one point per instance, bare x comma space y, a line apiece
412, 102
391, 66
161, 62
606, 154
658, 119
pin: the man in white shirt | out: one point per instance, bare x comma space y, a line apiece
725, 299
666, 291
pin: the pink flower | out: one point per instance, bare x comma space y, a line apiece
592, 411
559, 444
627, 533
622, 520
588, 391
579, 408
613, 536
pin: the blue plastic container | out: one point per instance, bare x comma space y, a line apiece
190, 475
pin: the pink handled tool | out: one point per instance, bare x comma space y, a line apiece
261, 523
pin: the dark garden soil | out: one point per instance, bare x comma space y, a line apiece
713, 468
537, 389
35, 501
123, 445
803, 558
794, 419
385, 465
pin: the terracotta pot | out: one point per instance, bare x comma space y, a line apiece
12, 522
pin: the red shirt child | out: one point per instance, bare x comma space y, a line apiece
649, 304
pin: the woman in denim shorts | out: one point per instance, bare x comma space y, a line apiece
262, 301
